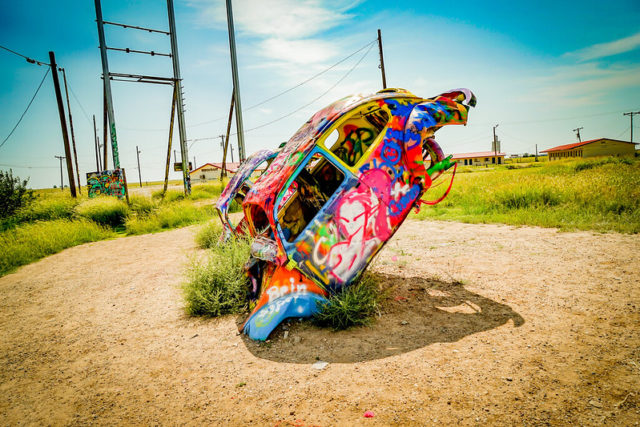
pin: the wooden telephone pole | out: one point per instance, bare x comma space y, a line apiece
631, 114
73, 138
63, 122
381, 66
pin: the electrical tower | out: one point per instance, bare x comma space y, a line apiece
175, 81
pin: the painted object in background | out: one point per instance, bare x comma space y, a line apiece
108, 182
335, 194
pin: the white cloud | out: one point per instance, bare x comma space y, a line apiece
584, 84
305, 51
290, 19
602, 50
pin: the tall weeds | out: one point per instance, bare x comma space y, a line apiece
218, 285
599, 194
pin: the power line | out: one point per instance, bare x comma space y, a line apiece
29, 60
79, 104
317, 98
305, 105
27, 109
293, 87
311, 78
623, 132
28, 167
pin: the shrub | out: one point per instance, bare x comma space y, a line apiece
354, 305
218, 285
13, 193
209, 235
104, 210
30, 242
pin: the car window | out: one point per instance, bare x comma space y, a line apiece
307, 194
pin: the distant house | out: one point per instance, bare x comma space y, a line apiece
592, 148
480, 158
211, 171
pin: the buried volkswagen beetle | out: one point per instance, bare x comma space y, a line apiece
336, 193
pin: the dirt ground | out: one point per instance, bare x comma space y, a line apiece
486, 324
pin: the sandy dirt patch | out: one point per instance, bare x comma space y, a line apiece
485, 324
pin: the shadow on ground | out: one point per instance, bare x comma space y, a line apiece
419, 312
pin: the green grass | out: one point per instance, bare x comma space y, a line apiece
29, 242
355, 305
218, 285
48, 208
177, 214
108, 211
169, 196
83, 220
141, 205
600, 195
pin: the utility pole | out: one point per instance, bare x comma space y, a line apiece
177, 81
61, 175
107, 88
105, 126
194, 163
381, 66
99, 155
495, 143
63, 122
139, 173
96, 144
536, 152
577, 131
73, 138
236, 83
631, 114
231, 146
173, 113
225, 143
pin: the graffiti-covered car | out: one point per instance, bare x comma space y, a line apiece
335, 194
237, 189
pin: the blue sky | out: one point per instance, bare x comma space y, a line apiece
538, 70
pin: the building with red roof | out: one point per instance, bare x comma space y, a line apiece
479, 158
210, 171
592, 148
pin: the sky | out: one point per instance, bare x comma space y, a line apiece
538, 71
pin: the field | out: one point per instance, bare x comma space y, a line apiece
486, 324
599, 194
56, 221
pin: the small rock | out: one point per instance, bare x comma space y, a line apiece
595, 403
509, 379
320, 365
286, 334
404, 322
296, 340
